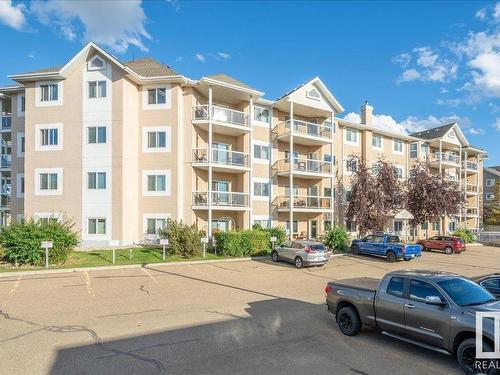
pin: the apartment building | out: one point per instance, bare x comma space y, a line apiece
120, 147
491, 183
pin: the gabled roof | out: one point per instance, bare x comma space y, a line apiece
53, 69
434, 133
149, 67
230, 80
493, 170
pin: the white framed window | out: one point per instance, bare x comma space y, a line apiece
156, 182
21, 105
295, 190
490, 196
490, 182
351, 136
96, 63
97, 89
377, 142
48, 181
20, 185
451, 134
399, 170
261, 152
156, 97
96, 135
153, 223
397, 146
48, 137
48, 93
156, 138
96, 180
262, 115
313, 94
351, 165
96, 226
46, 217
398, 226
435, 225
424, 149
413, 150
295, 226
261, 189
20, 145
348, 195
262, 220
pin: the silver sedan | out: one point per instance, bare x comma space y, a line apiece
301, 253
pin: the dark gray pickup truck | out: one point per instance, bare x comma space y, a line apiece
431, 309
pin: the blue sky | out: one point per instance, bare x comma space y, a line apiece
418, 63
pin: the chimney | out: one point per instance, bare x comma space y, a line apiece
366, 114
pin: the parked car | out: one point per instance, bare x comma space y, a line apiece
447, 244
386, 245
490, 282
301, 253
434, 310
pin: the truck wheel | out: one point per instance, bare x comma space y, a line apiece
466, 356
298, 262
422, 247
348, 321
355, 250
274, 256
448, 250
391, 257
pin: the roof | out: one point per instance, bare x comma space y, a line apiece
53, 69
433, 133
493, 170
149, 67
230, 80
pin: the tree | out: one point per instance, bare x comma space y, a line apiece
492, 215
391, 189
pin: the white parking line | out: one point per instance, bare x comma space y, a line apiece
88, 284
12, 290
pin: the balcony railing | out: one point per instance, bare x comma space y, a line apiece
304, 201
6, 122
471, 188
470, 165
6, 161
472, 212
221, 198
223, 157
444, 157
304, 165
5, 201
220, 114
304, 128
6, 189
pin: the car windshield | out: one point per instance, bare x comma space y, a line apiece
465, 292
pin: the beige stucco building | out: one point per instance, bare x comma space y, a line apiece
120, 147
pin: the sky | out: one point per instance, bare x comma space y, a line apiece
419, 64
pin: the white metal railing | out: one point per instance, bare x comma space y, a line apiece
304, 201
224, 157
489, 237
5, 122
6, 161
304, 128
5, 201
6, 189
221, 198
471, 212
444, 157
304, 165
470, 165
452, 178
471, 188
220, 114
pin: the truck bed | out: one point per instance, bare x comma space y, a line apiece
370, 284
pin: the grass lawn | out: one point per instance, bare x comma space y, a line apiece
97, 258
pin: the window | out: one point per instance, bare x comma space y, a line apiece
376, 141
435, 225
313, 94
23, 103
351, 165
424, 226
490, 182
399, 172
424, 148
375, 169
156, 183
294, 192
397, 146
348, 195
398, 226
491, 283
351, 136
295, 226
96, 64
328, 225
21, 187
49, 92
413, 150
97, 134
49, 137
48, 181
155, 225
97, 89
264, 223
261, 114
157, 95
327, 191
261, 189
157, 139
419, 290
261, 152
396, 286
97, 180
490, 196
96, 226
452, 226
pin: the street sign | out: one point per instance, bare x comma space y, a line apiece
274, 239
47, 244
163, 241
204, 240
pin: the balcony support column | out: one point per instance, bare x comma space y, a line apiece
331, 171
250, 163
478, 193
290, 181
460, 180
441, 224
209, 200
466, 157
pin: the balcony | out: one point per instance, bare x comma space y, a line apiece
471, 189
224, 120
221, 200
305, 133
5, 161
472, 212
470, 166
222, 160
305, 168
5, 122
6, 189
5, 201
304, 203
444, 158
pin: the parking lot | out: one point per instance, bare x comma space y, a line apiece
244, 317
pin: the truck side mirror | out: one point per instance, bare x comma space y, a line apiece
434, 300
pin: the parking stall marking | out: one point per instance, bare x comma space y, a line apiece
88, 284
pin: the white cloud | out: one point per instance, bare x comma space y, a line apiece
200, 57
408, 75
482, 13
12, 15
402, 59
496, 12
475, 131
113, 24
175, 4
443, 90
497, 124
224, 55
31, 55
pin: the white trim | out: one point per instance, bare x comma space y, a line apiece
156, 172
19, 152
146, 106
96, 57
168, 139
49, 103
344, 167
262, 124
264, 198
90, 236
358, 134
267, 218
381, 148
20, 176
48, 215
394, 140
490, 182
60, 137
489, 196
402, 170
147, 216
58, 191
261, 143
20, 112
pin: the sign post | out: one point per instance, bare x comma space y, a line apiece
273, 240
47, 245
114, 255
204, 241
163, 243
214, 244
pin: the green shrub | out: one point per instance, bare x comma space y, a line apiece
183, 240
21, 241
243, 243
336, 238
466, 235
278, 232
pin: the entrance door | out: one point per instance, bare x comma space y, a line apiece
313, 229
221, 152
221, 192
312, 196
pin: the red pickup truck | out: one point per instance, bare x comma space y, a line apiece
447, 244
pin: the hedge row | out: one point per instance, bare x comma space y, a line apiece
247, 242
